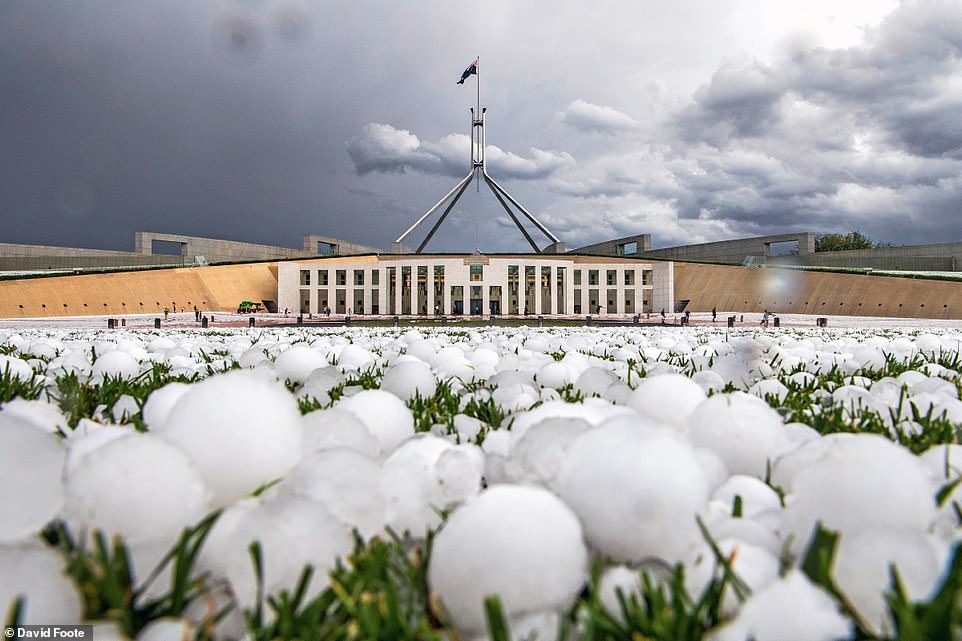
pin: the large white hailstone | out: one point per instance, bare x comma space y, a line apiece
253, 357
44, 415
240, 430
113, 364
354, 357
592, 410
732, 370
167, 629
423, 349
708, 380
861, 570
517, 542
31, 490
297, 362
412, 488
515, 397
860, 481
618, 578
788, 465
409, 379
160, 402
755, 496
742, 429
138, 486
293, 532
554, 375
84, 441
347, 483
669, 398
385, 415
327, 429
755, 566
944, 461
467, 427
36, 574
536, 457
637, 492
769, 387
15, 368
789, 609
594, 381
125, 408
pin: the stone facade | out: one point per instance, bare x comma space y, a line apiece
466, 284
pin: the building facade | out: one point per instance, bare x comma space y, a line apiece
475, 284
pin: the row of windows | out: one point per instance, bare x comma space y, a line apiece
477, 275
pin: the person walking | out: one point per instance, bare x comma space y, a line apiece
714, 314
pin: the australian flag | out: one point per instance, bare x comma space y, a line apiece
472, 69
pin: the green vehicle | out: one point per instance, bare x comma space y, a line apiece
248, 307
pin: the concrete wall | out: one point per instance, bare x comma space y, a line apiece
939, 257
734, 251
218, 288
215, 250
755, 289
616, 247
338, 247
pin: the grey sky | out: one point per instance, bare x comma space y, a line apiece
263, 120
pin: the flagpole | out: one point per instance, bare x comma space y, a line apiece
477, 69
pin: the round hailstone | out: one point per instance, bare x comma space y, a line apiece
594, 381
44, 415
114, 364
788, 609
346, 482
83, 442
297, 362
554, 375
861, 570
293, 532
668, 398
614, 579
386, 416
755, 566
412, 488
769, 387
536, 457
160, 402
167, 629
36, 574
860, 481
138, 486
354, 357
756, 497
637, 492
519, 543
743, 430
943, 461
327, 429
31, 490
409, 379
15, 368
240, 430
708, 381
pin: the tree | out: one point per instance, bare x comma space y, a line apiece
841, 242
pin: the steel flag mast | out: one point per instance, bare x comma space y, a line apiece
479, 173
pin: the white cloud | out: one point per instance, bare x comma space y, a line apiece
592, 118
383, 149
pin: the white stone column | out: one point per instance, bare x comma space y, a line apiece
619, 290
537, 290
398, 288
429, 284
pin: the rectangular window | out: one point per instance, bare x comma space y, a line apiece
323, 277
305, 277
477, 273
375, 278
341, 277
629, 277
646, 277
612, 277
359, 277
592, 277
577, 277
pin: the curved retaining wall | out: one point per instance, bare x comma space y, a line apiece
753, 289
218, 288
